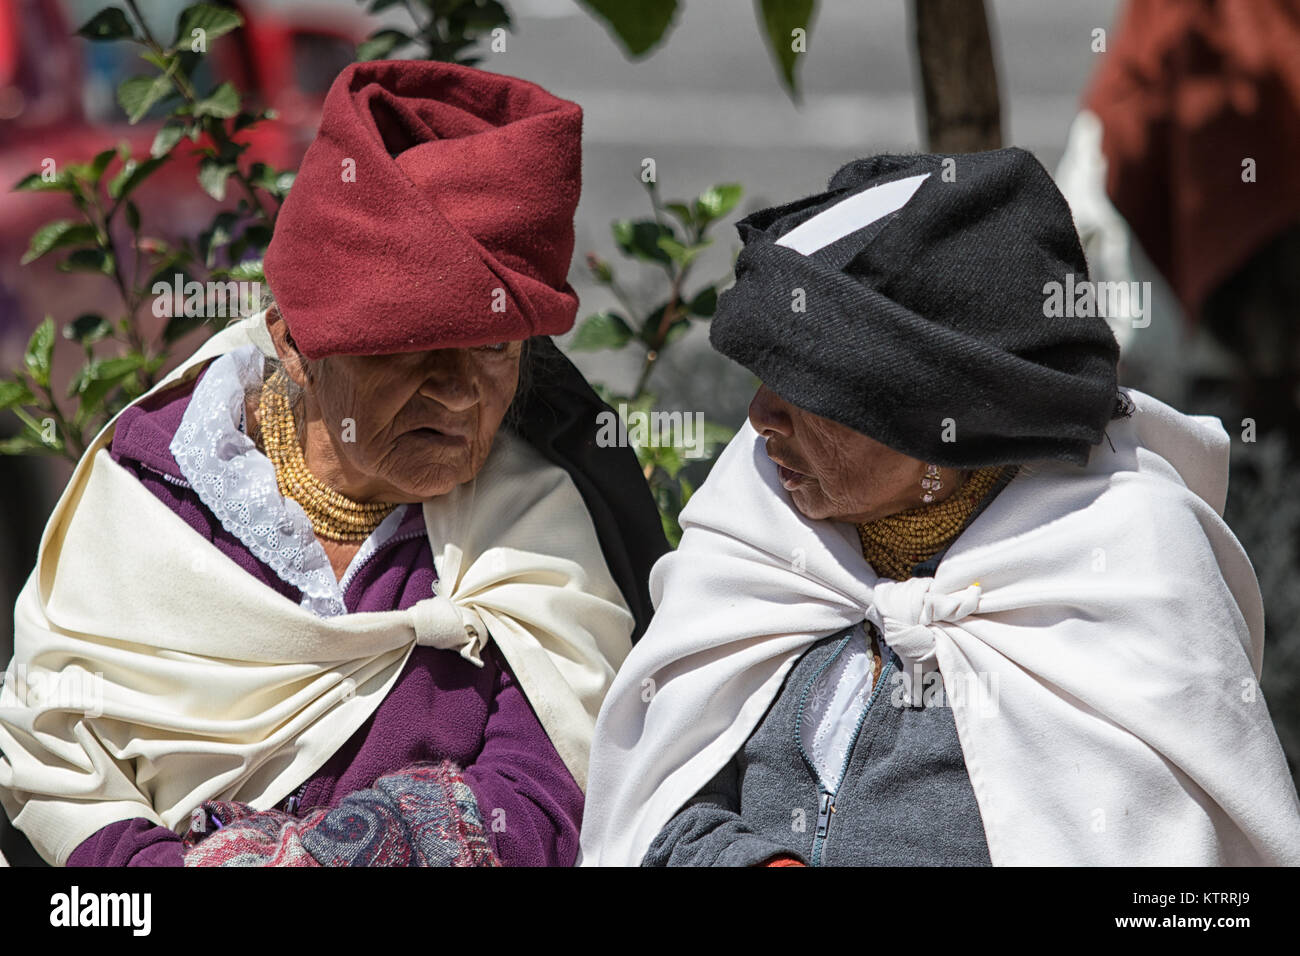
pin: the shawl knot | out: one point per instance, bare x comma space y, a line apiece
440, 622
905, 612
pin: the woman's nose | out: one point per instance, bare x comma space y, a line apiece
450, 381
769, 413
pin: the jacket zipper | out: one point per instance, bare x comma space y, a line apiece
825, 797
171, 479
396, 539
291, 803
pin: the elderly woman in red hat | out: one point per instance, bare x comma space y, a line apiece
348, 586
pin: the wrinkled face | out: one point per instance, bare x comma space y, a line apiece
831, 471
425, 421
409, 426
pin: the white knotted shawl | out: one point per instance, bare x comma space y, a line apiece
151, 672
1109, 614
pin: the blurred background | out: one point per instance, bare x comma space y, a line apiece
1171, 126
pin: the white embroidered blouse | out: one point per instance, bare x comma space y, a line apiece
237, 483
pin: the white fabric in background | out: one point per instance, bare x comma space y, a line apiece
1110, 611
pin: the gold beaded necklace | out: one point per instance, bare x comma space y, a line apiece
332, 515
895, 544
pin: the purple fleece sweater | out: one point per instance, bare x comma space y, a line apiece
441, 707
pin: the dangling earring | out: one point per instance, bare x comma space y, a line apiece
931, 482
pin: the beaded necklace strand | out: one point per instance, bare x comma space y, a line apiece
895, 544
332, 514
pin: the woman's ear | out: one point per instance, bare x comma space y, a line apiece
295, 366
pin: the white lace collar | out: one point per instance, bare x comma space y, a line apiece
237, 484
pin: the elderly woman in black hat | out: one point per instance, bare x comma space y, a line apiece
921, 612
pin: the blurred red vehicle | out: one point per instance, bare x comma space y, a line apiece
58, 101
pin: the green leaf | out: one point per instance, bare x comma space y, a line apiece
223, 103
643, 403
780, 18
217, 235
680, 253
108, 24
261, 174
166, 270
40, 350
27, 443
56, 235
215, 21
15, 393
133, 173
165, 62
479, 17
132, 216
256, 237
213, 175
168, 135
639, 25
138, 94
705, 302
675, 331
716, 201
99, 164
687, 489
604, 330
650, 326
100, 376
250, 270
88, 260
245, 119
667, 457
641, 239
266, 177
379, 45
179, 326
682, 212
34, 182
87, 328
81, 172
672, 530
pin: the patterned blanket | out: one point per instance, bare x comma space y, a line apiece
425, 815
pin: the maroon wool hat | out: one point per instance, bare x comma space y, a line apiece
434, 209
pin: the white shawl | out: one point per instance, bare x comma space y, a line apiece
151, 672
1111, 612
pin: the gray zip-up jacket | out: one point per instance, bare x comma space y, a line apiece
901, 798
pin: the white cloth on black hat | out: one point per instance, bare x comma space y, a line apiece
924, 327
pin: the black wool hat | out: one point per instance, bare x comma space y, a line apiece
907, 302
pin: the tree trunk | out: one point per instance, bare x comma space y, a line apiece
958, 76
